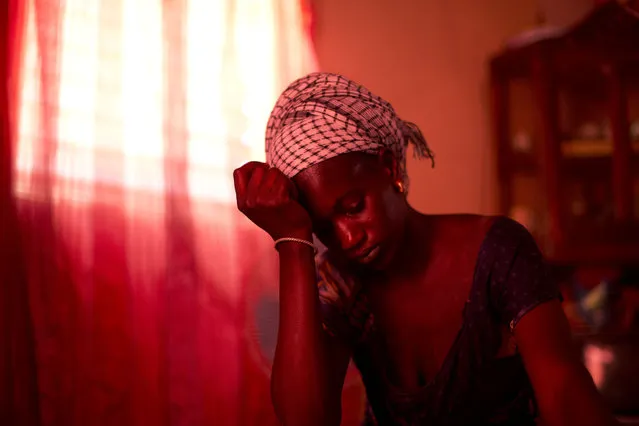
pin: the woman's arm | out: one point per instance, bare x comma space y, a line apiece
563, 387
309, 368
309, 365
529, 301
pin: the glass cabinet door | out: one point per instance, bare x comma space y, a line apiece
633, 122
585, 159
523, 145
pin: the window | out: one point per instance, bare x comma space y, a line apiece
111, 91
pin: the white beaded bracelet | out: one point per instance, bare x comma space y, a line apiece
296, 240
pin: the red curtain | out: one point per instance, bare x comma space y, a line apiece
19, 398
132, 292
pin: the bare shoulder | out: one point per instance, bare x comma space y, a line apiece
458, 239
460, 227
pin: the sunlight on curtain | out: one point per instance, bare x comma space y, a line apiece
209, 141
78, 79
110, 117
28, 111
146, 285
141, 92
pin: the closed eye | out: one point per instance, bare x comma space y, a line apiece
351, 204
354, 208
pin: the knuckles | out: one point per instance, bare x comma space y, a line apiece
273, 195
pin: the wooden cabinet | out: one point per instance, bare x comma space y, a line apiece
566, 121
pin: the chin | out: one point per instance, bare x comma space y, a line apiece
382, 258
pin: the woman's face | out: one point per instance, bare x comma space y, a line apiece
356, 208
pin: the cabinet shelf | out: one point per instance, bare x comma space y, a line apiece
592, 148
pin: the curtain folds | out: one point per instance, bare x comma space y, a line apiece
132, 291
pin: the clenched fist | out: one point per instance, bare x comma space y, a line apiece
269, 199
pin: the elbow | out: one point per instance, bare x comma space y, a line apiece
573, 399
302, 406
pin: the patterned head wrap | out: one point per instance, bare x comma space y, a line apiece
323, 115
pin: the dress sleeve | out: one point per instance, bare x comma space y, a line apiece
521, 279
344, 314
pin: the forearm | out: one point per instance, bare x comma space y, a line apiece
299, 381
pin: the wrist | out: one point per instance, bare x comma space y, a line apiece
302, 234
294, 249
296, 243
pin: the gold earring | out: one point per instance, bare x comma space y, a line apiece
399, 185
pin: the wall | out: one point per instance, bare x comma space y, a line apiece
428, 58
565, 12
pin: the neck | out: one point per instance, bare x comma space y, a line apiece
415, 245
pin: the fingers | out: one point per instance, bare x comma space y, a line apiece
274, 189
242, 179
267, 197
242, 175
257, 184
282, 187
269, 181
254, 185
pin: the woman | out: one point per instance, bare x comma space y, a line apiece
451, 319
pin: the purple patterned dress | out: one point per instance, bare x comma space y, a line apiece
474, 386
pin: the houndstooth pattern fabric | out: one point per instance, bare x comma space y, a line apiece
323, 115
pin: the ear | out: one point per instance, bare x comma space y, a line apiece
389, 163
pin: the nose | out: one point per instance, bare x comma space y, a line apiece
349, 236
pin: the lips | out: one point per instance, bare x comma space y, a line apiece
367, 255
